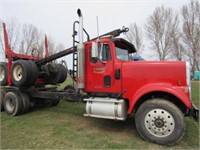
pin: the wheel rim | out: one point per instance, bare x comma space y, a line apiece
17, 73
159, 122
2, 73
9, 104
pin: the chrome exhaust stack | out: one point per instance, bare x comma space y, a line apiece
81, 54
80, 26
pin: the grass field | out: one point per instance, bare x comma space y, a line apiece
64, 127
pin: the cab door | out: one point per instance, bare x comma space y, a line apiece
100, 72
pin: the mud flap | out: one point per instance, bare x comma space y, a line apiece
194, 112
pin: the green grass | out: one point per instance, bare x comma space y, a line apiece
64, 127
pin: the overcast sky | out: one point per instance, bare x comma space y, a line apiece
55, 18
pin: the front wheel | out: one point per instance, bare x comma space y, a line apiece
160, 121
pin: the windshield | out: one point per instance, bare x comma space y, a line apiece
122, 53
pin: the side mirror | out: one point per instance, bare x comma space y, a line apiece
94, 50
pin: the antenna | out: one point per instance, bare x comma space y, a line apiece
97, 27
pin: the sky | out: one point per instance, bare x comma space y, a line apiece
55, 17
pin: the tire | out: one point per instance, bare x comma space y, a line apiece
34, 71
3, 73
21, 73
26, 102
69, 89
57, 77
13, 104
55, 102
62, 74
2, 95
160, 121
47, 103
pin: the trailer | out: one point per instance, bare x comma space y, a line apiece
106, 80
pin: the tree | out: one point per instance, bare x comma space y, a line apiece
177, 49
191, 32
159, 29
135, 37
53, 46
31, 39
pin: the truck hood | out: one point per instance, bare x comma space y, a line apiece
144, 72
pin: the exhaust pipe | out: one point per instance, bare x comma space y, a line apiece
80, 26
81, 54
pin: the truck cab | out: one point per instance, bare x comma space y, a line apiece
112, 73
158, 92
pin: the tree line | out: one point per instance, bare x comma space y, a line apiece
173, 35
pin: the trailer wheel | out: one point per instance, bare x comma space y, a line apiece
26, 102
69, 89
2, 95
34, 71
57, 77
55, 102
13, 103
21, 73
62, 74
47, 103
3, 73
160, 121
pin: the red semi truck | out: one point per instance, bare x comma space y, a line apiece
108, 81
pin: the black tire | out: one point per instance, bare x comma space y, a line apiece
34, 71
3, 73
2, 95
47, 102
13, 104
160, 121
57, 77
62, 74
69, 89
21, 73
55, 102
26, 102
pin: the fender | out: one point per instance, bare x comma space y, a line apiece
162, 87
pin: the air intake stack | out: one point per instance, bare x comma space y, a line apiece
81, 54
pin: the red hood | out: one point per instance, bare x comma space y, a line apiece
144, 72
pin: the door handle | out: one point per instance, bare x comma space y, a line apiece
117, 74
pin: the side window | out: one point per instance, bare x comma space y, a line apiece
103, 53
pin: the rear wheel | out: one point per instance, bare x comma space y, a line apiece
3, 73
57, 77
34, 71
21, 73
55, 102
160, 121
2, 95
13, 104
26, 102
69, 89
